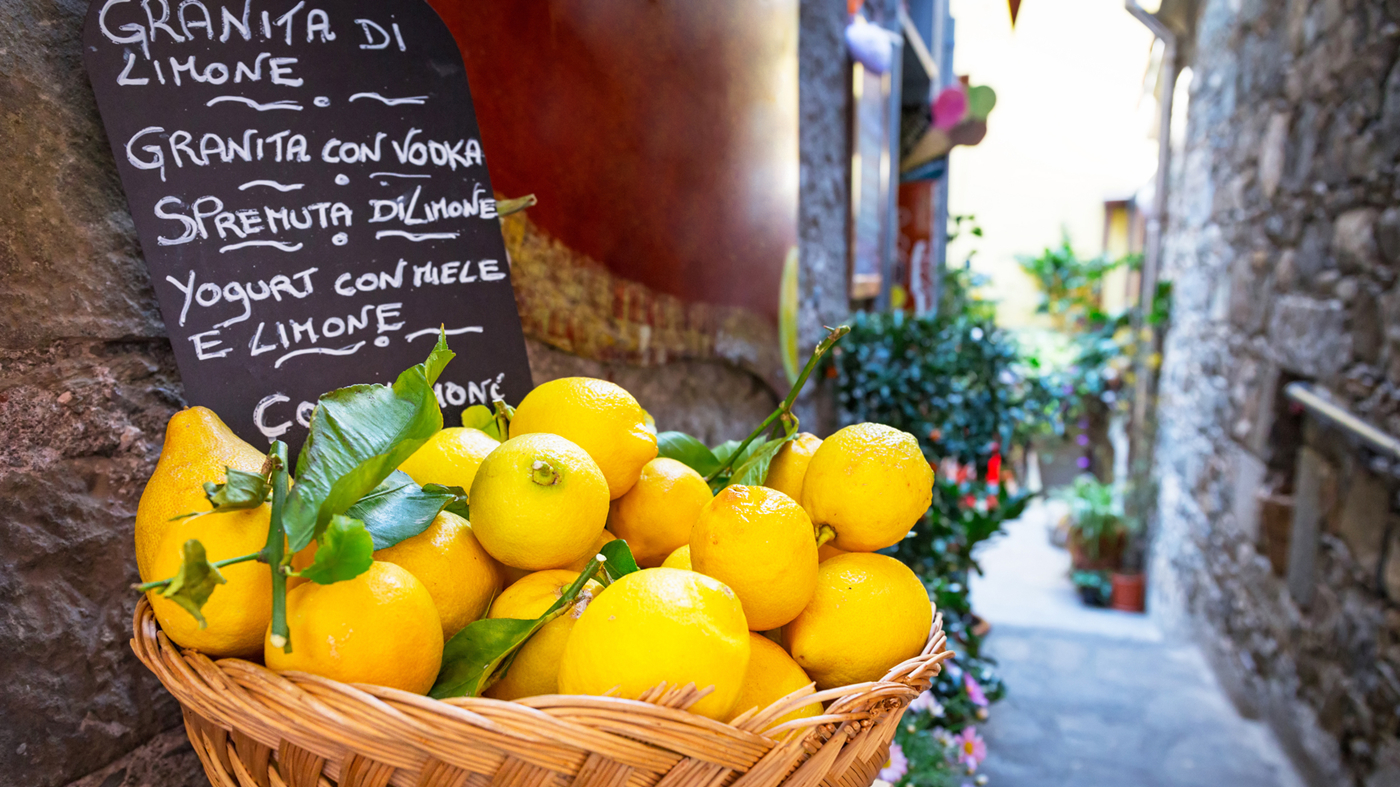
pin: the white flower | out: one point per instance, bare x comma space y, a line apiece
925, 703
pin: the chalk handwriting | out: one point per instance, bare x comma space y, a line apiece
308, 182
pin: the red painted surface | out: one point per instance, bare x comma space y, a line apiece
660, 137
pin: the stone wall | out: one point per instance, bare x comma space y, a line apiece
1283, 246
87, 382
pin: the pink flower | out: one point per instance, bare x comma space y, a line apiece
974, 690
897, 765
971, 749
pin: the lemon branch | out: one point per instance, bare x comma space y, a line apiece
275, 552
160, 583
784, 411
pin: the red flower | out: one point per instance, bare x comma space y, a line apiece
969, 502
990, 501
962, 474
994, 469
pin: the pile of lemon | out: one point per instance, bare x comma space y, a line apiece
735, 591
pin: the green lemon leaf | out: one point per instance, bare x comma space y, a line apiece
688, 451
346, 551
469, 658
240, 490
458, 502
398, 509
754, 470
479, 416
358, 436
194, 582
619, 561
480, 654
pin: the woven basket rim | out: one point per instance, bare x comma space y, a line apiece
328, 721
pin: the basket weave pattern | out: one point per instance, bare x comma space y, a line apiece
252, 727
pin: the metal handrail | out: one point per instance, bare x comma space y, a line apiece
1373, 436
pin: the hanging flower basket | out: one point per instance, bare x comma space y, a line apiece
252, 727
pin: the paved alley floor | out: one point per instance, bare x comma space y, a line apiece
1101, 698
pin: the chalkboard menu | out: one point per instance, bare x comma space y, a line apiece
310, 191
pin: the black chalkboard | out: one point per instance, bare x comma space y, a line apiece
310, 192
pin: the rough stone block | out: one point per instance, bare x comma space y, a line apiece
69, 261
1309, 336
1365, 518
1354, 240
1248, 483
1271, 152
83, 425
1308, 513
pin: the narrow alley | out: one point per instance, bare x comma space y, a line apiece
1100, 697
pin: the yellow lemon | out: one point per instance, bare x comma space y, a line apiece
869, 613
826, 552
772, 675
238, 611
380, 628
870, 483
678, 559
458, 573
582, 563
535, 670
198, 446
759, 542
660, 624
657, 513
789, 466
538, 501
450, 457
600, 417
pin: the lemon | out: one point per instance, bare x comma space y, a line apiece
678, 559
599, 416
450, 457
870, 483
538, 501
772, 675
657, 513
380, 627
789, 466
238, 611
660, 624
457, 572
869, 613
826, 552
759, 542
198, 446
535, 670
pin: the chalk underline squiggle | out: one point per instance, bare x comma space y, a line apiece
449, 332
292, 105
415, 236
273, 243
391, 102
346, 350
395, 175
274, 184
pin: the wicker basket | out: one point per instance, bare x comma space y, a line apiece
251, 726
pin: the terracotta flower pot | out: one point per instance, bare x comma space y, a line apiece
1129, 592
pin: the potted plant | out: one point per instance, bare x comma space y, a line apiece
1129, 584
1097, 531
